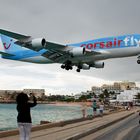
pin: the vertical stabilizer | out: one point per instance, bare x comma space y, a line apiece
7, 44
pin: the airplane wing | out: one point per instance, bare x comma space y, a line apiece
60, 53
55, 52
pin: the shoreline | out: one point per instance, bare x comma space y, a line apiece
46, 102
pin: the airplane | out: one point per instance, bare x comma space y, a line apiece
83, 55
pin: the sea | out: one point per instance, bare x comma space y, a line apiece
41, 112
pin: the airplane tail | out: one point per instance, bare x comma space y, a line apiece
7, 45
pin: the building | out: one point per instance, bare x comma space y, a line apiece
128, 95
96, 90
7, 94
110, 88
127, 85
37, 92
77, 96
116, 87
113, 87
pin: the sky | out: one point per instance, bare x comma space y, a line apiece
63, 22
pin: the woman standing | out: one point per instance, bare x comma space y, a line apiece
94, 106
101, 108
84, 108
24, 117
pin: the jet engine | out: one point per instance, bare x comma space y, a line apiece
38, 43
98, 64
77, 51
85, 66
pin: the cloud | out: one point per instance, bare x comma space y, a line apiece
68, 22
55, 82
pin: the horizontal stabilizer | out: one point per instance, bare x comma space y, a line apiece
13, 35
6, 54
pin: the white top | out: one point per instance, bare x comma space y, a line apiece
101, 107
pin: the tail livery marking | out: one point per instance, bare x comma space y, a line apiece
7, 46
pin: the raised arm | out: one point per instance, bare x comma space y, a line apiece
34, 102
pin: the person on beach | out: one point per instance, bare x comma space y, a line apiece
24, 117
94, 106
84, 108
101, 108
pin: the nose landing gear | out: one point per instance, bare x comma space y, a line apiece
138, 61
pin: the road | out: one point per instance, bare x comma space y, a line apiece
79, 129
128, 129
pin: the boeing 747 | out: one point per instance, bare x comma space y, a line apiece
83, 55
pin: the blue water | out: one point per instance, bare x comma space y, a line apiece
46, 112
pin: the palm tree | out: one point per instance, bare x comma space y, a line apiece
106, 93
101, 96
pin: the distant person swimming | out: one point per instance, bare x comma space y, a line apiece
24, 117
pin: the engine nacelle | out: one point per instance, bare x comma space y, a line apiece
98, 64
85, 66
77, 51
38, 43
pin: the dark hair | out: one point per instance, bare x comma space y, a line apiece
22, 98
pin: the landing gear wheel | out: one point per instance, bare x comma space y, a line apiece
63, 66
70, 68
78, 70
67, 68
67, 65
138, 61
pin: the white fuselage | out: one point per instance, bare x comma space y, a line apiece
110, 53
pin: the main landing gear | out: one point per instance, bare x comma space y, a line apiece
67, 65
